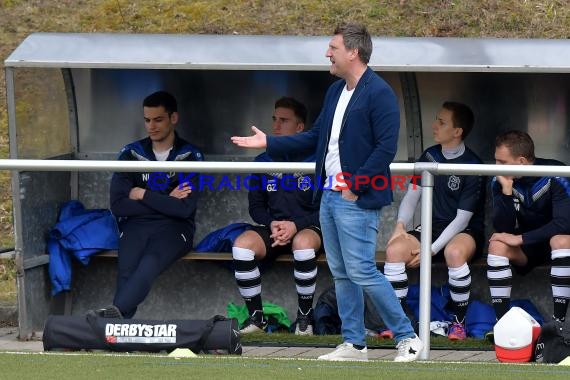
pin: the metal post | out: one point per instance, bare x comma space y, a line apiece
425, 263
24, 325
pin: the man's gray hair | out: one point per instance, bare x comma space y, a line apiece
356, 37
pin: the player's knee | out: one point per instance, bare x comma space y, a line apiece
300, 242
305, 241
397, 251
560, 242
498, 248
390, 253
245, 240
455, 255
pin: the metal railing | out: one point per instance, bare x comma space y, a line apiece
426, 170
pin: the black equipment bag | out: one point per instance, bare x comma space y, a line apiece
327, 320
217, 335
553, 343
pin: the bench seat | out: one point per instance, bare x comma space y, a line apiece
226, 256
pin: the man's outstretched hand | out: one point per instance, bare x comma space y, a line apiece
258, 140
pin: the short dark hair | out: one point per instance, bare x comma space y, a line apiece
293, 104
462, 117
162, 99
356, 36
519, 143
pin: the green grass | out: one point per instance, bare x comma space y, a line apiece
7, 281
286, 339
125, 366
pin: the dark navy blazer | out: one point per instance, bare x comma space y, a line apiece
367, 142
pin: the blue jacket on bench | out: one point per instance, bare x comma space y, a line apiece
79, 233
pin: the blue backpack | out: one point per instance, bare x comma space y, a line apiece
480, 317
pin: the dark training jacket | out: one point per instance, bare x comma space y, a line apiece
279, 196
452, 192
157, 205
539, 207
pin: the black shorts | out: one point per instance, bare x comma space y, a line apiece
272, 252
537, 254
437, 229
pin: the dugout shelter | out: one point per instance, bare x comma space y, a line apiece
78, 96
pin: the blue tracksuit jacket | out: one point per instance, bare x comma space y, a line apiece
79, 233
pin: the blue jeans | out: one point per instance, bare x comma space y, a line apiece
349, 237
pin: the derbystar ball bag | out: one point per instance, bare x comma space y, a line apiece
217, 335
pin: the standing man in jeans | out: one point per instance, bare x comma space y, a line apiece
355, 137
